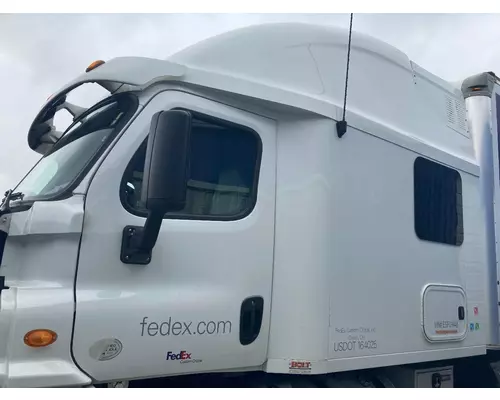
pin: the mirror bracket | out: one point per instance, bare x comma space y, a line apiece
132, 251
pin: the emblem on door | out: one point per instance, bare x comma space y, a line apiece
106, 349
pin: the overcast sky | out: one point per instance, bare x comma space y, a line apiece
41, 53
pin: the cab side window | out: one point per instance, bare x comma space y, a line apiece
224, 165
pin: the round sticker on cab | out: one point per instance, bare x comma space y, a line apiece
106, 349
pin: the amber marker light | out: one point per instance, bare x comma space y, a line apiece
94, 65
40, 338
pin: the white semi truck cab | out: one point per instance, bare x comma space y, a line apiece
207, 219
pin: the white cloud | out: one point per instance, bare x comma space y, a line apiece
40, 53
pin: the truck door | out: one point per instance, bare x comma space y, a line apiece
203, 302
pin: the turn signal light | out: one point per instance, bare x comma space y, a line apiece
94, 65
40, 338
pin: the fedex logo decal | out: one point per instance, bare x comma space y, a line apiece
183, 355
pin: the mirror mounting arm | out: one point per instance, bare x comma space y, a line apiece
138, 242
151, 230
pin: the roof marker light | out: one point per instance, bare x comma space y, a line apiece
94, 65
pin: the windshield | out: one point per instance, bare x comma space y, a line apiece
79, 147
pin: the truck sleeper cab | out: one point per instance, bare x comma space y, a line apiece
206, 218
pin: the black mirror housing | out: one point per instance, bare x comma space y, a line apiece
166, 166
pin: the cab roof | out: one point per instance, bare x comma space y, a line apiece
303, 66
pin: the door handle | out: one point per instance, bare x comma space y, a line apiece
252, 310
461, 313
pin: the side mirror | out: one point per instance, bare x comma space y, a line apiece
164, 183
166, 166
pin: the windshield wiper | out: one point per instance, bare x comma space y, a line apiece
9, 196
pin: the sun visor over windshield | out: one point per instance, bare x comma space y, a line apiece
134, 71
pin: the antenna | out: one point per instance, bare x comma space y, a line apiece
342, 125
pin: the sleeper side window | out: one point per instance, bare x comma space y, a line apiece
438, 203
224, 166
